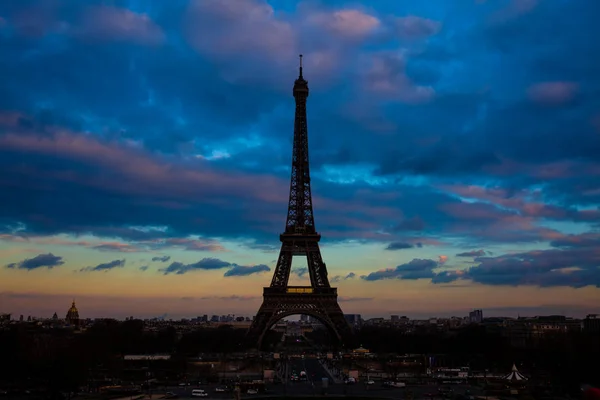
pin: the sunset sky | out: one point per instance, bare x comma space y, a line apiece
145, 151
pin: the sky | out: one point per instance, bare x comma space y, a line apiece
145, 152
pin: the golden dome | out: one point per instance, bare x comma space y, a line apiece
73, 313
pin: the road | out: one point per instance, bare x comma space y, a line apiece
314, 371
314, 386
314, 377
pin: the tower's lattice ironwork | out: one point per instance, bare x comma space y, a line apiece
300, 239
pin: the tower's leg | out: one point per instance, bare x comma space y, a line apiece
284, 266
316, 266
260, 325
340, 325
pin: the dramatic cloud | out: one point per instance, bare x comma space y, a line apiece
187, 244
415, 223
552, 93
239, 270
575, 263
111, 23
415, 269
105, 266
472, 253
300, 272
204, 264
339, 278
584, 240
118, 247
511, 10
386, 76
144, 268
40, 261
303, 273
416, 27
222, 30
347, 23
214, 264
161, 128
399, 246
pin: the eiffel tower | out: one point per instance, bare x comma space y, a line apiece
300, 238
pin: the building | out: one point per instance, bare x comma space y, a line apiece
591, 323
72, 317
353, 319
373, 321
528, 331
476, 316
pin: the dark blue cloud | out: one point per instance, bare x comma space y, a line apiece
414, 223
213, 264
40, 261
339, 278
575, 262
402, 246
472, 253
300, 272
161, 259
415, 269
204, 264
240, 270
105, 266
303, 272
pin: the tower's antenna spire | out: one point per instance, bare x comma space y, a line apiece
300, 65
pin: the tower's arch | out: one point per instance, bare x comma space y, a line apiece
323, 319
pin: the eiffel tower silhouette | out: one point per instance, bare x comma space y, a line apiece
300, 238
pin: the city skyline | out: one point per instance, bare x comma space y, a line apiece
494, 313
145, 155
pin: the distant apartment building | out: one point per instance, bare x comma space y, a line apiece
353, 319
227, 318
397, 320
591, 323
476, 316
375, 321
202, 318
527, 332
